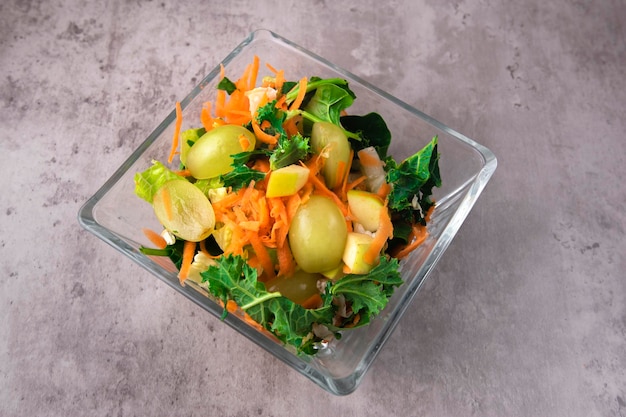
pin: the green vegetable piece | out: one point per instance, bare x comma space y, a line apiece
369, 293
241, 176
227, 85
414, 178
233, 279
149, 181
328, 102
189, 137
371, 130
289, 151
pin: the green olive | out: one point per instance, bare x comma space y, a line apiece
329, 136
317, 235
184, 210
298, 287
210, 156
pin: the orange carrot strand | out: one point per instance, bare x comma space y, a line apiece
156, 239
177, 126
189, 250
301, 93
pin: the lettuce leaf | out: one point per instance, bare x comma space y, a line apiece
149, 181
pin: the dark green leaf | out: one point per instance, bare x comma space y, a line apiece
233, 279
226, 85
241, 176
371, 130
413, 180
328, 102
368, 294
289, 151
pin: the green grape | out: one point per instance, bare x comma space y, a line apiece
210, 156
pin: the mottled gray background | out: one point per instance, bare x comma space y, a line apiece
524, 316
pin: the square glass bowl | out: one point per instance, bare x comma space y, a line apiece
116, 215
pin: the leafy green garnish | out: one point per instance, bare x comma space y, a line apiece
328, 102
233, 279
149, 181
274, 116
241, 176
413, 181
227, 85
174, 252
371, 130
369, 294
289, 151
208, 184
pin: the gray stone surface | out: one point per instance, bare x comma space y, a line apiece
524, 316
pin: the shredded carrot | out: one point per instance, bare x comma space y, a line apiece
244, 142
293, 203
286, 264
189, 250
220, 103
321, 188
167, 203
233, 308
262, 136
261, 252
205, 117
280, 80
264, 217
262, 165
281, 220
300, 97
183, 173
271, 68
384, 232
254, 72
280, 104
341, 167
177, 126
429, 213
291, 125
355, 183
313, 301
344, 180
384, 190
418, 236
156, 239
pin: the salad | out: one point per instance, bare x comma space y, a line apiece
288, 209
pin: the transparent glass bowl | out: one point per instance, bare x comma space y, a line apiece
117, 216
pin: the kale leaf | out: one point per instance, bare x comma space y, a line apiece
289, 151
371, 130
241, 176
227, 85
369, 293
413, 180
233, 279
